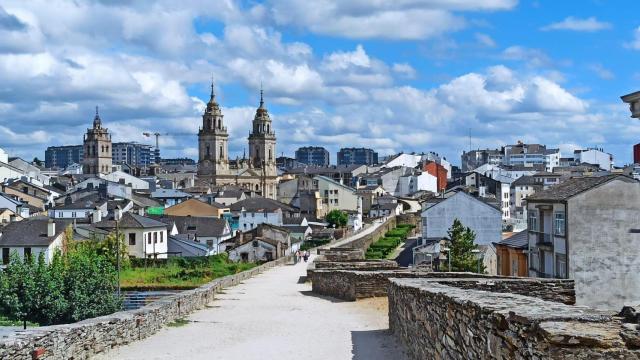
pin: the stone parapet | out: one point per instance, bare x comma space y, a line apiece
351, 285
83, 339
438, 321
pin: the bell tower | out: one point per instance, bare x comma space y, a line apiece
262, 141
97, 158
212, 141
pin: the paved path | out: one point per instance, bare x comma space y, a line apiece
273, 316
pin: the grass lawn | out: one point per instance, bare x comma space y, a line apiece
181, 273
387, 244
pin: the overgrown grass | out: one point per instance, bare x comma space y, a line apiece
308, 244
385, 245
181, 273
6, 322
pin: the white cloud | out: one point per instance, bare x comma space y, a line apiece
590, 24
602, 72
405, 19
485, 40
635, 43
533, 57
405, 70
343, 60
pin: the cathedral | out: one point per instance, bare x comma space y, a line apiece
257, 172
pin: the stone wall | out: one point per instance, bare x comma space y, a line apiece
363, 265
341, 254
351, 285
436, 321
365, 241
83, 339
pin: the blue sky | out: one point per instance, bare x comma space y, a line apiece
405, 75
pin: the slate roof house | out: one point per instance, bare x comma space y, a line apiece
586, 229
145, 237
206, 230
258, 210
31, 237
195, 207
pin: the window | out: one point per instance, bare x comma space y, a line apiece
535, 261
5, 256
161, 236
559, 223
148, 239
132, 239
561, 266
533, 220
27, 253
155, 237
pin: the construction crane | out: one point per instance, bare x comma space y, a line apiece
157, 135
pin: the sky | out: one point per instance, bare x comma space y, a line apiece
403, 75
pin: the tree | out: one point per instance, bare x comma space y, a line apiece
19, 302
337, 218
461, 248
37, 161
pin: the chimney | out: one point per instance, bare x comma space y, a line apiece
96, 215
51, 228
141, 211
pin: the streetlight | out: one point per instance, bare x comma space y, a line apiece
478, 254
116, 216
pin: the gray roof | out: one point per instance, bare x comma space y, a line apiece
574, 186
186, 247
259, 203
524, 180
87, 203
519, 240
30, 232
169, 194
201, 226
130, 221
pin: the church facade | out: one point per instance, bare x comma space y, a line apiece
256, 172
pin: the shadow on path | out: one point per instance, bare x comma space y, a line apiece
323, 297
374, 345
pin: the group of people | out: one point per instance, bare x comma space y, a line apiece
302, 255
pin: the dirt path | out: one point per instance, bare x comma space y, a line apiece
273, 316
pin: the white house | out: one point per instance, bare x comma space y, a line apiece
257, 210
145, 237
406, 160
170, 197
206, 230
83, 209
595, 157
31, 237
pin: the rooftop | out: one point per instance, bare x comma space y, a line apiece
574, 186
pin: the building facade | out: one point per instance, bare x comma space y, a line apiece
586, 229
258, 172
97, 149
357, 156
313, 155
59, 157
132, 153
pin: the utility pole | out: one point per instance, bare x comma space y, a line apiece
117, 216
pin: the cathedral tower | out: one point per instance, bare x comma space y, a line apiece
212, 141
262, 141
97, 158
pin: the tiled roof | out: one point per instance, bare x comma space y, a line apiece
30, 232
519, 240
201, 226
259, 203
194, 207
573, 187
130, 221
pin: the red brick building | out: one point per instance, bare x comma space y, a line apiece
437, 170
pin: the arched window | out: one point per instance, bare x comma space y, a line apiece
257, 187
267, 128
219, 124
208, 150
221, 155
270, 155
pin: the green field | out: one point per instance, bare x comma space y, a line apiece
180, 273
386, 244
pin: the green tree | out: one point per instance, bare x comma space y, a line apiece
461, 246
91, 283
337, 218
37, 161
19, 302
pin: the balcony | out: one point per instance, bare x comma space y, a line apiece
543, 239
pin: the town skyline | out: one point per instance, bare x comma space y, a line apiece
461, 83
